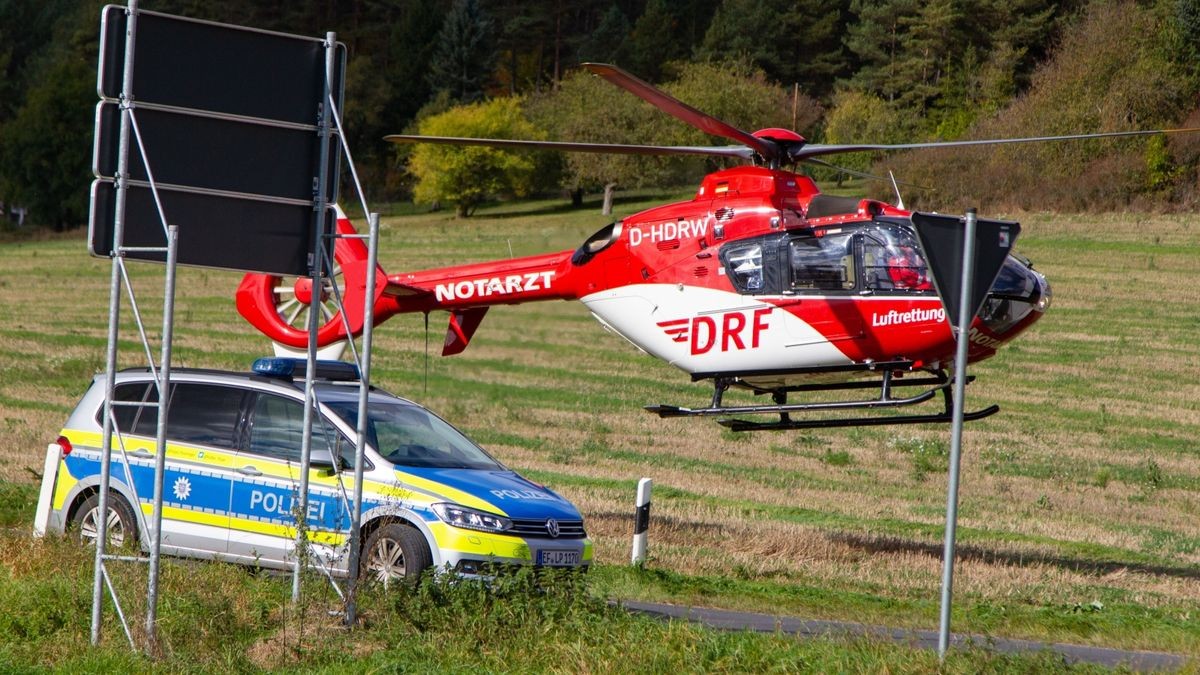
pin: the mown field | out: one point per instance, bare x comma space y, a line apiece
1078, 511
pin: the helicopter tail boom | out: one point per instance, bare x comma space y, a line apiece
504, 282
468, 291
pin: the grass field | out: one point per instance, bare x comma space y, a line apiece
1079, 501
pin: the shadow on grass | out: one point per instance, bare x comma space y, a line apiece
875, 544
538, 208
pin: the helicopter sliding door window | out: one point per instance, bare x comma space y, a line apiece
822, 263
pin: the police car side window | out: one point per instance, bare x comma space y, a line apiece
204, 414
339, 445
133, 419
277, 427
277, 430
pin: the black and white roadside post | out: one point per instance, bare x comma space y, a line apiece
641, 522
963, 274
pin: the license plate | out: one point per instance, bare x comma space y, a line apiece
555, 558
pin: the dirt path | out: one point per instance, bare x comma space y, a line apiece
723, 619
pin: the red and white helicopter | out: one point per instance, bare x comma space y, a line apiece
760, 282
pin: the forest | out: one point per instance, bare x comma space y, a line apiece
869, 71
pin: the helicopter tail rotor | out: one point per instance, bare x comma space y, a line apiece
278, 306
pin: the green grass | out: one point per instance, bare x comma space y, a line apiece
220, 618
1079, 502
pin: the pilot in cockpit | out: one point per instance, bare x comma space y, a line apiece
906, 270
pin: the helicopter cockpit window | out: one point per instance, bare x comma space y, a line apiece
602, 239
892, 260
822, 263
745, 267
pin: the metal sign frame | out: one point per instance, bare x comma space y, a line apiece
126, 169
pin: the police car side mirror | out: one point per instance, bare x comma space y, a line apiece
321, 458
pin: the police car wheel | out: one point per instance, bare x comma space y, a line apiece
121, 525
395, 552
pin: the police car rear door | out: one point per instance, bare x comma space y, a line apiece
203, 426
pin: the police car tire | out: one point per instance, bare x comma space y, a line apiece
85, 519
393, 545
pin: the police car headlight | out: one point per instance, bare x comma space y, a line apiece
471, 519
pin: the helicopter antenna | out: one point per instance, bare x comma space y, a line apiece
426, 392
896, 187
795, 101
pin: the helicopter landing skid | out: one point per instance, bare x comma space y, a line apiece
784, 409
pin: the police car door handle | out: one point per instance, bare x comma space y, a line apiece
249, 471
141, 453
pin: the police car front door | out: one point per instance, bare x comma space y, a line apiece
266, 500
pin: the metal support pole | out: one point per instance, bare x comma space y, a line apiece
360, 441
966, 316
160, 452
114, 316
310, 403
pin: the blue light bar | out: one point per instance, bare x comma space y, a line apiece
288, 367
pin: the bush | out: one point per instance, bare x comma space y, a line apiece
469, 175
1109, 74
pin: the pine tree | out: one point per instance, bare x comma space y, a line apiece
793, 41
876, 37
607, 43
653, 42
465, 53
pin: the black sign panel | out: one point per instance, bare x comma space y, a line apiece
217, 67
228, 121
251, 159
264, 238
942, 239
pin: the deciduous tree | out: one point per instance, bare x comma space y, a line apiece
468, 176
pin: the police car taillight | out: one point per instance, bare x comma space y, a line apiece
64, 445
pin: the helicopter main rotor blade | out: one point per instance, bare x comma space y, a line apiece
816, 149
861, 174
682, 111
617, 148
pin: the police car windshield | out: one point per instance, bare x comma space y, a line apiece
408, 435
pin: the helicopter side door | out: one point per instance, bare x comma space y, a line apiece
820, 281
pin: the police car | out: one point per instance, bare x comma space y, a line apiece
431, 496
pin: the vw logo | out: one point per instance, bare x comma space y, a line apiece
552, 527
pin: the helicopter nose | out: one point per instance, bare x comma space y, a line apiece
1044, 295
1019, 297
